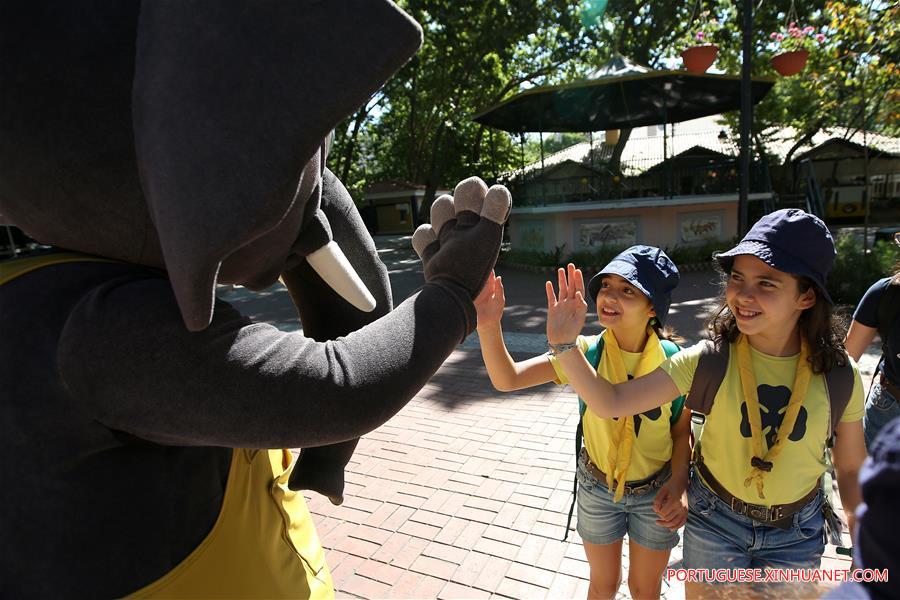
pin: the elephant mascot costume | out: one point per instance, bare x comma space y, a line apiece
161, 147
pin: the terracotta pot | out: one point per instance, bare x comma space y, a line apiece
698, 59
790, 63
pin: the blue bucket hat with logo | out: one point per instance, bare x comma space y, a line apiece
792, 241
648, 269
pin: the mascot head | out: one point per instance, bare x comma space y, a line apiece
189, 136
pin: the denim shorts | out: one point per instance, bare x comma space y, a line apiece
716, 537
602, 521
881, 407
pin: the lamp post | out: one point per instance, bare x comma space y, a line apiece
746, 117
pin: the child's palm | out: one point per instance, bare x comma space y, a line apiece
490, 302
566, 314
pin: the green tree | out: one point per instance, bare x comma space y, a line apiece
850, 79
419, 127
473, 55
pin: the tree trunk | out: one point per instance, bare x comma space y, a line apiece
476, 149
433, 179
789, 156
615, 161
346, 160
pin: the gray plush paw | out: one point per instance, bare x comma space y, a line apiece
463, 240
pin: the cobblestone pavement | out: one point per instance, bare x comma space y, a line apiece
465, 493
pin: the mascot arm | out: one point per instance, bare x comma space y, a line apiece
128, 361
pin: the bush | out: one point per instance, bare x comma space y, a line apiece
854, 271
590, 260
700, 253
598, 258
533, 257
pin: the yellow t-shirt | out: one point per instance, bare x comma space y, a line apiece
726, 441
653, 437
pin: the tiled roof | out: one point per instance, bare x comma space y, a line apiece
644, 148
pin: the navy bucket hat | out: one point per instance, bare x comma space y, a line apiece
792, 241
648, 269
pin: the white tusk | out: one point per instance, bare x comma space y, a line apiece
335, 270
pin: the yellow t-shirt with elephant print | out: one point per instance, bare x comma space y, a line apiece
652, 447
726, 441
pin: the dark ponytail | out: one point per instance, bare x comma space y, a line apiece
666, 332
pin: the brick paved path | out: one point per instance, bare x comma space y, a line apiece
464, 494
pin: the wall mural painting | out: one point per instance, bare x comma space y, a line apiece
531, 235
608, 233
701, 227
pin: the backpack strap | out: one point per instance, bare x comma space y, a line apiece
839, 385
888, 311
592, 354
671, 348
710, 373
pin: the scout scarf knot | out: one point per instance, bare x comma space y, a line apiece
762, 460
612, 369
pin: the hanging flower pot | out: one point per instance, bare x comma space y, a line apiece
790, 63
697, 59
793, 45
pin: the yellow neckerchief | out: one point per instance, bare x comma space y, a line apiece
762, 463
612, 369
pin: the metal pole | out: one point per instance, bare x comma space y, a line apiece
541, 135
667, 190
522, 148
665, 166
493, 156
866, 190
592, 180
746, 118
591, 149
867, 202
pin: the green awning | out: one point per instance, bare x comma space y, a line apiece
621, 101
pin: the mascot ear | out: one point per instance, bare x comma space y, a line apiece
223, 130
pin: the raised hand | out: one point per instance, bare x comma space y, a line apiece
490, 302
566, 314
463, 240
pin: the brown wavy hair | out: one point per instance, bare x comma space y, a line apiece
822, 327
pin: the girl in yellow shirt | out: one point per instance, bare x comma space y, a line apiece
624, 460
754, 499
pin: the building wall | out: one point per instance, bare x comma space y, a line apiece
396, 211
395, 215
664, 226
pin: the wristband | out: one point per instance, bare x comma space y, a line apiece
557, 349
